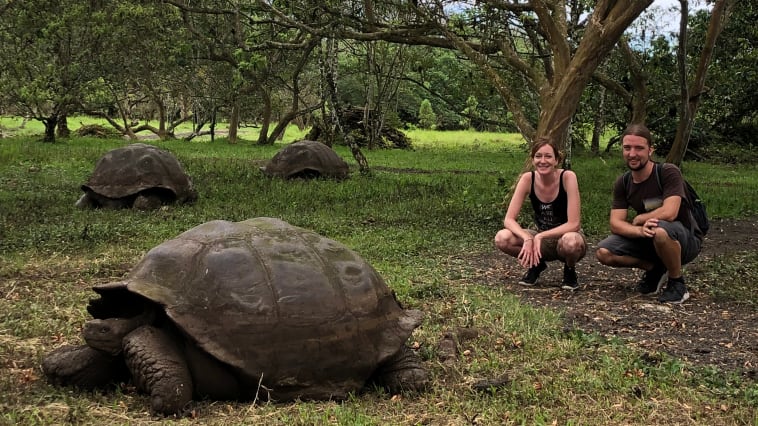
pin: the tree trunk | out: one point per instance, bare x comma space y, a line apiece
51, 123
62, 128
289, 117
161, 118
604, 29
213, 124
638, 81
123, 114
266, 118
691, 98
329, 72
599, 123
234, 122
294, 110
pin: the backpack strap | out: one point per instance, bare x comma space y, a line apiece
658, 168
687, 203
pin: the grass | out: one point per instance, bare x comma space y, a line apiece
417, 218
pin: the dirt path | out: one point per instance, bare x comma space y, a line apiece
703, 330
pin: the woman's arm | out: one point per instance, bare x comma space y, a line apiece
514, 207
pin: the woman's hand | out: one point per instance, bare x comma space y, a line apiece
530, 254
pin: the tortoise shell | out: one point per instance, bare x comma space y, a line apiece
306, 159
303, 314
126, 171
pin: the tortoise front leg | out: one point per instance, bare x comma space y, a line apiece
85, 202
404, 372
158, 367
147, 201
83, 367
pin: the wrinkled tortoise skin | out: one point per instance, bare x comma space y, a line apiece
304, 159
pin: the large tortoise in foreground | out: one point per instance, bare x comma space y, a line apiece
241, 310
137, 175
306, 159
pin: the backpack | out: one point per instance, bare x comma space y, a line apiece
696, 205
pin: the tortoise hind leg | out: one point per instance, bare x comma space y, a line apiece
404, 372
158, 368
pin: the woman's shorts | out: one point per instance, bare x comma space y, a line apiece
549, 247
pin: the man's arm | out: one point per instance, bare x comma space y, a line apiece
668, 211
620, 226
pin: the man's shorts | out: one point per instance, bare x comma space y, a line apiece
642, 248
549, 247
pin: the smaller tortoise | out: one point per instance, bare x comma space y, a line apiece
306, 159
258, 309
137, 175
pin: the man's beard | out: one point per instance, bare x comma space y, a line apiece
640, 167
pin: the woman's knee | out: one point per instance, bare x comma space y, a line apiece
506, 241
572, 244
503, 239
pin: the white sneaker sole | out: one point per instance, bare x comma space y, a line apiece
684, 298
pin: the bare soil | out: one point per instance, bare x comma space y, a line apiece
704, 330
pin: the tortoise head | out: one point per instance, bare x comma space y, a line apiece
107, 334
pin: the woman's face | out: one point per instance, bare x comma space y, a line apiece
544, 159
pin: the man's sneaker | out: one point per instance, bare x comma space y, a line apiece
675, 292
533, 273
652, 280
569, 278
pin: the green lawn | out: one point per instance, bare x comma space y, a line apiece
418, 213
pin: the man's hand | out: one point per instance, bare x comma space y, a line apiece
648, 228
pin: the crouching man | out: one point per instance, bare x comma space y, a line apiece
661, 237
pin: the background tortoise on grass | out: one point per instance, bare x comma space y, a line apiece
242, 310
306, 159
137, 175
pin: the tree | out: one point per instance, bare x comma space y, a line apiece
449, 80
729, 107
690, 97
266, 57
45, 49
385, 64
471, 112
549, 45
427, 119
145, 69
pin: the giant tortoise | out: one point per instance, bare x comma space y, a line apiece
258, 309
137, 175
306, 159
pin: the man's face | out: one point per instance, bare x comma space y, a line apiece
636, 151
